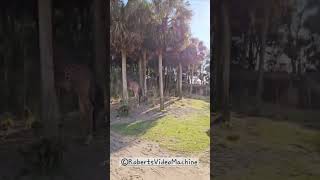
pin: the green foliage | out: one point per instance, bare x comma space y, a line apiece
123, 110
6, 121
30, 119
36, 127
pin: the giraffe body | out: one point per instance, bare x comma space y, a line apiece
135, 87
78, 78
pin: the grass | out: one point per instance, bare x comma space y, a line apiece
194, 104
185, 133
287, 150
277, 133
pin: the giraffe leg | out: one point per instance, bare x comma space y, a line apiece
86, 115
82, 115
90, 121
88, 112
136, 96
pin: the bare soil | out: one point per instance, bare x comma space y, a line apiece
81, 162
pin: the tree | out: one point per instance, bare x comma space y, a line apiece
179, 39
49, 100
162, 11
270, 15
100, 46
143, 14
225, 58
124, 38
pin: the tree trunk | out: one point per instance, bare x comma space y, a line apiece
293, 65
102, 73
226, 50
216, 92
177, 81
141, 74
100, 46
124, 77
6, 83
144, 73
25, 81
180, 80
161, 81
191, 82
262, 57
49, 101
6, 29
167, 80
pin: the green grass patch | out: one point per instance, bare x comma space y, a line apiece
295, 169
193, 103
288, 150
278, 134
133, 129
185, 133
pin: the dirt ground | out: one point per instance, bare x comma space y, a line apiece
129, 146
81, 162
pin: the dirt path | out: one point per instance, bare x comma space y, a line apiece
80, 162
130, 147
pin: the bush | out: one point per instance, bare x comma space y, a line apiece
44, 156
6, 122
123, 110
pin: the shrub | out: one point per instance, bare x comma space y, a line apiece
6, 122
45, 156
123, 109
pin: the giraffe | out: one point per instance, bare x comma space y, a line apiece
79, 79
135, 87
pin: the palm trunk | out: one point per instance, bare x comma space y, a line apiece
49, 101
6, 83
161, 81
177, 82
180, 80
124, 77
262, 55
294, 67
140, 74
216, 92
226, 48
191, 81
144, 72
25, 82
100, 46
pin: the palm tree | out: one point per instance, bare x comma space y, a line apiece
143, 13
180, 33
170, 24
124, 38
271, 10
49, 100
162, 11
100, 46
222, 50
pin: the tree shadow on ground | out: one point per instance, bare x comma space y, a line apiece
308, 118
265, 149
80, 162
139, 121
